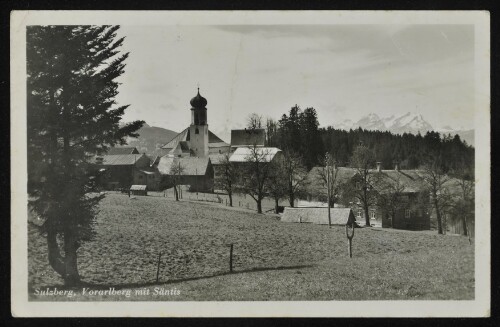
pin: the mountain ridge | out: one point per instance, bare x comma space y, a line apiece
406, 123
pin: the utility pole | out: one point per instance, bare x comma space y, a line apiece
328, 188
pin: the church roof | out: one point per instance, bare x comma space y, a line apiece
191, 166
213, 140
248, 137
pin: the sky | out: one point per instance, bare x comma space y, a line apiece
343, 71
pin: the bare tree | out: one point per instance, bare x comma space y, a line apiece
294, 173
390, 197
361, 188
255, 174
463, 202
254, 121
226, 179
440, 197
328, 175
176, 171
277, 186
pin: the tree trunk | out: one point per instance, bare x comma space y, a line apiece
176, 193
56, 261
331, 202
291, 199
464, 225
230, 194
367, 216
71, 277
259, 205
276, 205
439, 221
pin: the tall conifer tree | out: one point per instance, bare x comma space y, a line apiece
72, 115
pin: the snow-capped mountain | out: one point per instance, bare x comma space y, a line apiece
406, 123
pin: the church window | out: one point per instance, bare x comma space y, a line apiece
372, 214
196, 131
407, 213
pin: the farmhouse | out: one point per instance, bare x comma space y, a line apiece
412, 211
121, 170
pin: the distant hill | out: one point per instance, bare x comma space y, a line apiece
150, 139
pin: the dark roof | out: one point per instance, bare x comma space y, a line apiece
248, 137
122, 150
192, 165
412, 180
213, 140
118, 159
339, 216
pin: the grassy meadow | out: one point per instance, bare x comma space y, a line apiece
272, 260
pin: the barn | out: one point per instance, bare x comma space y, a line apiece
339, 216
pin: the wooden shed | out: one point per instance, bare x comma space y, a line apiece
339, 216
138, 190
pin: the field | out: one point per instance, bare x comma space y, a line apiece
273, 260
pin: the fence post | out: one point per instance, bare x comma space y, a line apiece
231, 258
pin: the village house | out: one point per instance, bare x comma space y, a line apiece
412, 212
120, 171
195, 172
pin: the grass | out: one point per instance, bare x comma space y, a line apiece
272, 260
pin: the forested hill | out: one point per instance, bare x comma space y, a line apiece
299, 132
412, 151
150, 139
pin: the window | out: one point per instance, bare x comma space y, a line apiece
372, 214
196, 131
407, 213
360, 213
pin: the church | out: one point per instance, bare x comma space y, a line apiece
193, 156
192, 149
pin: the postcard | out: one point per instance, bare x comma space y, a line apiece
250, 163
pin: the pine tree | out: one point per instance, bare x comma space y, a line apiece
72, 115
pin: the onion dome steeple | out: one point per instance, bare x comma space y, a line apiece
198, 102
198, 110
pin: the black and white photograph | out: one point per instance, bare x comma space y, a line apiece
250, 164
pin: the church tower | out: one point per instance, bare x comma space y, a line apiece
198, 130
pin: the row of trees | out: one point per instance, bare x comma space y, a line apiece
299, 131
260, 177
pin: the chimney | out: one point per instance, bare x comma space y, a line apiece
396, 166
379, 166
